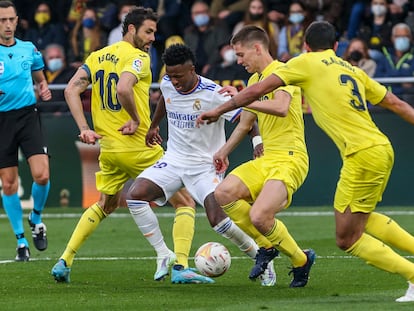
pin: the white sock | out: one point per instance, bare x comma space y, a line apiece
147, 222
228, 229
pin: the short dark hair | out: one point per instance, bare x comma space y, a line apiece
7, 4
249, 34
137, 16
178, 54
320, 35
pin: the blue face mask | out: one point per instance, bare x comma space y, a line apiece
201, 20
402, 44
88, 23
296, 18
55, 64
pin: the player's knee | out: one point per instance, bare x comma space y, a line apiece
344, 242
215, 213
41, 178
133, 193
223, 195
9, 188
258, 219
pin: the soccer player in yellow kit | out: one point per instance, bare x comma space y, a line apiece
121, 78
338, 93
257, 190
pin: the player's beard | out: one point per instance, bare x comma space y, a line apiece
140, 44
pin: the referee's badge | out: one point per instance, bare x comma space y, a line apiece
1, 68
197, 105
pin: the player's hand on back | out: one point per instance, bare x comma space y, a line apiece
129, 128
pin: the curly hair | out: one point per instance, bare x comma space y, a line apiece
178, 54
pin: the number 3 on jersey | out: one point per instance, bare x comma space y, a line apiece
107, 91
357, 101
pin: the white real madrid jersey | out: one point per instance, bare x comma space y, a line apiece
187, 144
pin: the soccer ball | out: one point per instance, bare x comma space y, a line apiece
212, 259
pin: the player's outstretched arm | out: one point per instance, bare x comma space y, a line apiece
245, 97
398, 106
278, 106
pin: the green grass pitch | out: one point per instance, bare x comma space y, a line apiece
114, 269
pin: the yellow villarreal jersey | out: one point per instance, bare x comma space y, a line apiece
105, 67
281, 133
337, 93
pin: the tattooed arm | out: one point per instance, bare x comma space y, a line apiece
76, 86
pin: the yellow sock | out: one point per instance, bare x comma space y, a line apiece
87, 224
283, 241
238, 211
387, 230
376, 253
183, 233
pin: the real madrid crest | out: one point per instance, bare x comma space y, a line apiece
197, 105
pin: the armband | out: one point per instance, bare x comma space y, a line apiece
256, 140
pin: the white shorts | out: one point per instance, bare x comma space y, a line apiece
200, 180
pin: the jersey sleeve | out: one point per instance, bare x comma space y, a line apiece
138, 65
294, 72
374, 91
38, 63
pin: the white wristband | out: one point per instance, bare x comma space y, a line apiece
256, 140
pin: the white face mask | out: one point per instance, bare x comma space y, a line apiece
378, 9
229, 56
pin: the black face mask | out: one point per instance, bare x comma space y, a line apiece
255, 17
355, 56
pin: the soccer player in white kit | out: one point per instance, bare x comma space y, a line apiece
188, 160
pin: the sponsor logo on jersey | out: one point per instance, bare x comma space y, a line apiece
137, 65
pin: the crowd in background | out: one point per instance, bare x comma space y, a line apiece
375, 35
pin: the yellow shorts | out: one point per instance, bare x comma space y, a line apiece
116, 168
287, 166
364, 176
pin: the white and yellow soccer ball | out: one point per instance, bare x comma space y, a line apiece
212, 259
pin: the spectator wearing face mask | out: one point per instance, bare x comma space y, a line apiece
57, 72
43, 29
357, 54
228, 71
398, 61
204, 37
257, 15
86, 37
376, 29
291, 35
